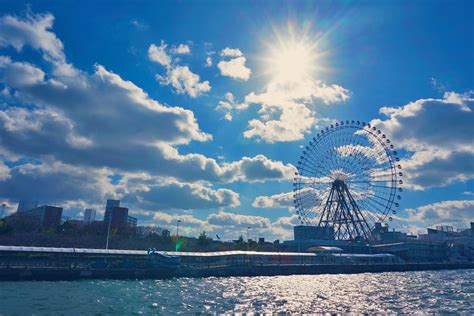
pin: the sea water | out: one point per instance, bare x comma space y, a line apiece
394, 292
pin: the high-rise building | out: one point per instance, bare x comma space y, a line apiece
26, 205
108, 208
119, 217
89, 215
43, 216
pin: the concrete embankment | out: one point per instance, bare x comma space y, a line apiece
320, 269
225, 271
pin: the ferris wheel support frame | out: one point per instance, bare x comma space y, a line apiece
344, 214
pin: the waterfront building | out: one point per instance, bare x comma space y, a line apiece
44, 216
382, 234
132, 221
303, 245
460, 243
444, 228
108, 208
26, 205
447, 234
79, 262
89, 215
415, 251
118, 217
48, 216
304, 233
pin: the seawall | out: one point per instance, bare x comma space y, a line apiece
18, 274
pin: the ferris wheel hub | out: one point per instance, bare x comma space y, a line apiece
339, 184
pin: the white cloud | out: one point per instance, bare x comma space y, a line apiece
287, 222
170, 194
234, 68
437, 133
96, 120
457, 213
43, 132
189, 225
281, 200
238, 220
228, 106
257, 169
228, 117
228, 225
208, 61
236, 225
4, 172
83, 127
184, 81
19, 74
286, 109
181, 78
158, 54
54, 182
231, 52
139, 25
32, 30
281, 124
182, 49
438, 85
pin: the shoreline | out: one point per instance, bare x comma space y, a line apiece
62, 274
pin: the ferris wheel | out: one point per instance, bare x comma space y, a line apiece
348, 179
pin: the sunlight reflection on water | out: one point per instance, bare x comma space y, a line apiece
407, 292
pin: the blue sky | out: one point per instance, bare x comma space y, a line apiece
131, 101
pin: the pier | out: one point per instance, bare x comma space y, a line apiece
41, 263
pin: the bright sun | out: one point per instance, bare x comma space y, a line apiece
291, 62
292, 59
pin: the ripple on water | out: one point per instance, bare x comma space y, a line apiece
404, 292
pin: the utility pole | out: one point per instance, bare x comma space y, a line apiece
108, 230
177, 234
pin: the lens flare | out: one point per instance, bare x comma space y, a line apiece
292, 56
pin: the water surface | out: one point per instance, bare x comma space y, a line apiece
396, 292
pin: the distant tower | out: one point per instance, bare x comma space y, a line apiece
108, 208
89, 215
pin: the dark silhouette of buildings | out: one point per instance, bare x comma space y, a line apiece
108, 208
26, 205
44, 216
118, 216
303, 232
89, 215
